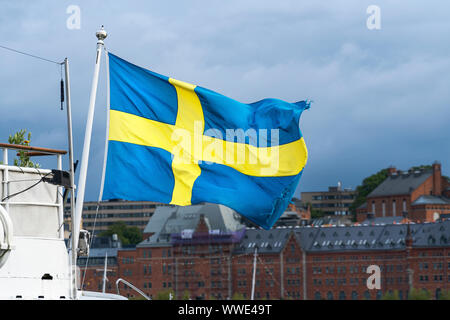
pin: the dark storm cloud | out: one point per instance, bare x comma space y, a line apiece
380, 97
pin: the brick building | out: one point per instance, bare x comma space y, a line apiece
92, 268
335, 201
423, 194
132, 213
205, 251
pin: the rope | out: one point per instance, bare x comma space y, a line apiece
30, 55
22, 191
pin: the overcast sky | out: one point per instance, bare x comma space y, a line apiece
380, 97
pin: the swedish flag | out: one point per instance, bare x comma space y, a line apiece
177, 143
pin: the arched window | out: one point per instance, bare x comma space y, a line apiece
342, 295
317, 296
330, 295
354, 295
367, 295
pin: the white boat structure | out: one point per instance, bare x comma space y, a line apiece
35, 262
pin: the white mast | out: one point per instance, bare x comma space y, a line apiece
254, 273
73, 256
104, 273
101, 35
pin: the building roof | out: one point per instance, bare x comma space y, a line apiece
170, 220
97, 257
101, 252
432, 234
363, 206
401, 184
332, 220
382, 220
428, 199
267, 241
380, 237
373, 237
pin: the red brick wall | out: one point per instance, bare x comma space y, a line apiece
418, 214
389, 200
278, 275
437, 179
93, 278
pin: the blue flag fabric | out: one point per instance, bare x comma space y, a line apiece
177, 143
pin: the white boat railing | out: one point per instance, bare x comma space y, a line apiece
6, 169
132, 287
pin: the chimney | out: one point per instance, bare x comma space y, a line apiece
391, 170
437, 179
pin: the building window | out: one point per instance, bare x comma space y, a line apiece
317, 296
342, 295
330, 295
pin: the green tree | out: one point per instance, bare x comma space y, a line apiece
445, 295
237, 296
391, 296
315, 214
138, 297
127, 235
186, 295
416, 294
368, 185
19, 138
165, 295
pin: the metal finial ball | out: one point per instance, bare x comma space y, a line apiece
101, 34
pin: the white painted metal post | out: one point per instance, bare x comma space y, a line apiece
60, 202
101, 35
254, 273
5, 178
105, 273
73, 253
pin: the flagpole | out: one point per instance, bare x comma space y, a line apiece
254, 273
101, 35
108, 105
104, 273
